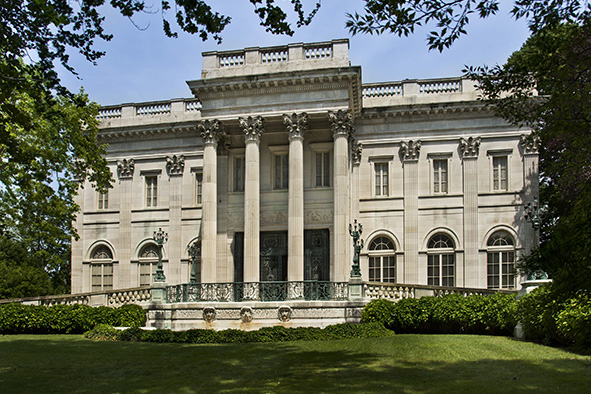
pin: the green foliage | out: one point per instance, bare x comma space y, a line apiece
455, 314
379, 310
573, 322
265, 334
65, 319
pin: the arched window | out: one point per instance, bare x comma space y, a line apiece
441, 270
148, 264
101, 268
382, 260
500, 261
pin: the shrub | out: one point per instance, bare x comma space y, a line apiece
536, 311
379, 310
103, 332
573, 321
65, 319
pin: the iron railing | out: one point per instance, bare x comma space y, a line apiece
258, 291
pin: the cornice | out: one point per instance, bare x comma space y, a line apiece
426, 110
132, 133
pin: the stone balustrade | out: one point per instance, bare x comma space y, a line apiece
114, 298
396, 292
133, 110
292, 57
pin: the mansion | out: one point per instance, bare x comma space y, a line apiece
279, 150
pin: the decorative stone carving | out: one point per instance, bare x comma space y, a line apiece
284, 313
246, 314
296, 124
209, 314
341, 122
223, 144
470, 147
125, 168
319, 216
210, 130
530, 144
273, 217
356, 150
410, 150
252, 127
175, 164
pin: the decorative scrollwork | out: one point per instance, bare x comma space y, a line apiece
175, 164
530, 144
410, 150
470, 147
341, 122
125, 168
210, 130
253, 127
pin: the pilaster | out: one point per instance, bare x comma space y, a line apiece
531, 185
175, 166
409, 153
474, 275
296, 126
342, 128
125, 171
253, 128
210, 131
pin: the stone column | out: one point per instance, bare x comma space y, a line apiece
473, 271
125, 169
409, 152
253, 128
342, 127
225, 268
531, 183
175, 166
209, 134
296, 126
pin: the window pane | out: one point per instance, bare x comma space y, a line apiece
318, 169
326, 168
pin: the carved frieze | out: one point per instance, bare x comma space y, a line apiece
175, 164
125, 168
470, 147
341, 122
319, 216
273, 217
530, 144
253, 127
296, 124
410, 150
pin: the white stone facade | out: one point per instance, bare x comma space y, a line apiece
280, 150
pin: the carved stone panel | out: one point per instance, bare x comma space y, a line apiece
470, 147
410, 150
125, 168
175, 164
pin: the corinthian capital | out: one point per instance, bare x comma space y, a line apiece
296, 124
210, 130
175, 164
530, 144
252, 127
469, 147
356, 150
125, 168
341, 122
410, 150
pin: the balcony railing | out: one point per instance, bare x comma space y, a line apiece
149, 109
258, 291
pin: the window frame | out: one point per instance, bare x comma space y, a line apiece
151, 190
105, 267
500, 261
147, 261
198, 177
497, 171
238, 173
380, 189
382, 261
102, 200
438, 260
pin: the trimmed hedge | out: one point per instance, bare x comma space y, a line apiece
66, 319
449, 314
265, 334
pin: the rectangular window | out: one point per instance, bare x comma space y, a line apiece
322, 169
374, 269
381, 179
147, 272
441, 270
382, 269
440, 176
198, 188
239, 172
500, 173
151, 191
501, 270
103, 200
102, 277
281, 172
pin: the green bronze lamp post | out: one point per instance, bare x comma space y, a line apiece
355, 230
533, 214
194, 253
161, 238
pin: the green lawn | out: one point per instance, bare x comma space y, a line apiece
403, 364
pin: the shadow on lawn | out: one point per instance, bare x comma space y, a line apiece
82, 366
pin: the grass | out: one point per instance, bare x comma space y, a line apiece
400, 364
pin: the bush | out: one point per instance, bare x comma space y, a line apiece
265, 334
573, 321
379, 310
455, 314
536, 311
65, 319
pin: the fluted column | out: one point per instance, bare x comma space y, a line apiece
210, 130
409, 152
253, 128
125, 170
296, 126
531, 184
342, 127
474, 275
175, 165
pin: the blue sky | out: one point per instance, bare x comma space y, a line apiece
144, 65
